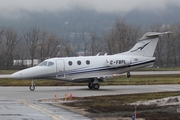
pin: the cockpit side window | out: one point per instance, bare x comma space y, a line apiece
50, 64
44, 63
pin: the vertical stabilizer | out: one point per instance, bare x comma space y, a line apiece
146, 45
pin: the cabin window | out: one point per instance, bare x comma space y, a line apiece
70, 63
87, 62
79, 62
50, 64
43, 63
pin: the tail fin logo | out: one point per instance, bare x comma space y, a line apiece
140, 48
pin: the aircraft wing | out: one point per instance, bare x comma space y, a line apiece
87, 79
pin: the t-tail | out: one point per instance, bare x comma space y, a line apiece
146, 45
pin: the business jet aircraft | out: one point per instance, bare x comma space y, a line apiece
94, 69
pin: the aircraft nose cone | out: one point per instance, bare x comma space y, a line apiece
16, 75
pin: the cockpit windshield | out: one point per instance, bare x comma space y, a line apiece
50, 64
46, 63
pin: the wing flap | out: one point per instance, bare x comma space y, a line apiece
86, 79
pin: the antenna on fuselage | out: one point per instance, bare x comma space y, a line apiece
98, 54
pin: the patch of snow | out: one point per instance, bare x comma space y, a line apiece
160, 102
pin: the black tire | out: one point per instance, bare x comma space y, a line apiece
128, 75
96, 86
32, 87
90, 85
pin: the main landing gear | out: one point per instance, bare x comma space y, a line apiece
94, 85
128, 75
32, 86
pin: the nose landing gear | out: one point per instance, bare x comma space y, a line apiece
32, 86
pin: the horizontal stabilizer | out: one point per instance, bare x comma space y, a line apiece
154, 34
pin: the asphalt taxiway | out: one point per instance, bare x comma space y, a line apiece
23, 93
21, 103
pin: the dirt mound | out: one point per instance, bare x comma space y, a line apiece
172, 100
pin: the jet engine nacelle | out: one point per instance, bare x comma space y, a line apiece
118, 62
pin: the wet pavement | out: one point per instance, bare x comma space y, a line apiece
19, 103
33, 110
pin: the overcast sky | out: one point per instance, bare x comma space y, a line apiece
12, 7
99, 5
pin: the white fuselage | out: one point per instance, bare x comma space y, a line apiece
94, 69
82, 69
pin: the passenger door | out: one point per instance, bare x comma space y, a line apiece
60, 68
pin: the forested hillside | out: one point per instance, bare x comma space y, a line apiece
40, 35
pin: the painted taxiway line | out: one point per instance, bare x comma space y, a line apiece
5, 76
42, 110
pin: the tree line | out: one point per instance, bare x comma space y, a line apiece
36, 43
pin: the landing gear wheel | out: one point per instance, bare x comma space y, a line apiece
128, 75
96, 86
90, 85
32, 87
